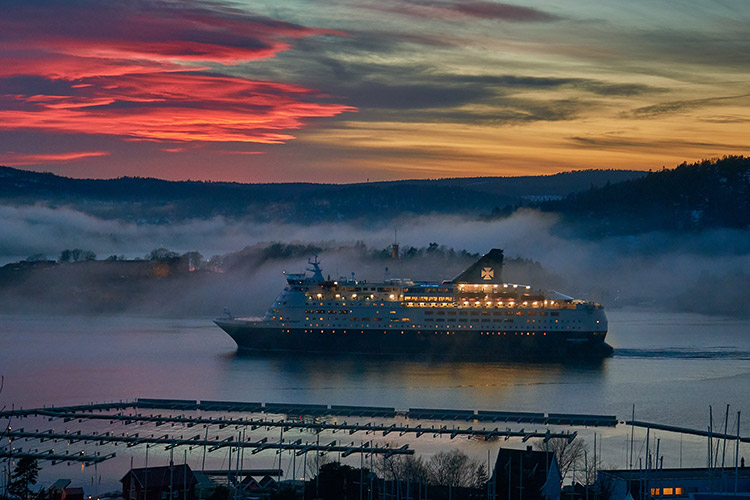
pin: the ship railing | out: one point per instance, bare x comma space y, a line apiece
557, 305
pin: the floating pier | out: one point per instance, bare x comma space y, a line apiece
304, 417
685, 430
316, 410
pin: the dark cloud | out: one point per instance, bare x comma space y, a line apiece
428, 92
502, 11
728, 48
501, 111
386, 91
681, 106
617, 142
407, 97
460, 10
726, 119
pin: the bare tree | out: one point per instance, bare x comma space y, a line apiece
403, 468
316, 461
605, 486
452, 468
570, 455
480, 476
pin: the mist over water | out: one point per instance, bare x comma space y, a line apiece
703, 272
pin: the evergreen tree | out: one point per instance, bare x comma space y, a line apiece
23, 477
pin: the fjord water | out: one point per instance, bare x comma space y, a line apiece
671, 366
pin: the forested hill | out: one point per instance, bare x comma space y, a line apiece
707, 194
158, 201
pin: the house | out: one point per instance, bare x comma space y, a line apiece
204, 487
674, 484
59, 490
526, 475
268, 483
175, 482
249, 483
72, 494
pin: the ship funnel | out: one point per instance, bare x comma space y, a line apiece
488, 269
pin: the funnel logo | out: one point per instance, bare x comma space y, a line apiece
487, 273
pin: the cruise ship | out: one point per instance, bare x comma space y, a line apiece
475, 316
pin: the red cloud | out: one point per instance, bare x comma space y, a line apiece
170, 107
139, 30
132, 69
20, 159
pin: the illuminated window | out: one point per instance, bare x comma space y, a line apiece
655, 492
679, 491
668, 491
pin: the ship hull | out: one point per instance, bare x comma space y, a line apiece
461, 344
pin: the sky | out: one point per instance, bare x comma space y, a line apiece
341, 91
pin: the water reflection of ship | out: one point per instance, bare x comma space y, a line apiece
474, 316
339, 372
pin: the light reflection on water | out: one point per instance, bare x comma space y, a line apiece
671, 366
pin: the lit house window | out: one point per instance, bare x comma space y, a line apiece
667, 492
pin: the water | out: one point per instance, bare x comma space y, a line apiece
670, 366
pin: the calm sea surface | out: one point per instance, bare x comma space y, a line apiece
670, 366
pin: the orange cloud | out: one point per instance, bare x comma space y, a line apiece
20, 159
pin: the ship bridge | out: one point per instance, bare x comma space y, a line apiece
429, 292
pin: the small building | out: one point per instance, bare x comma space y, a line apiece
72, 494
249, 483
57, 489
268, 483
175, 482
204, 487
60, 490
526, 475
674, 484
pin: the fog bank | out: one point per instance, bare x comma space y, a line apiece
702, 272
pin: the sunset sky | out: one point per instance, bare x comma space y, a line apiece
351, 90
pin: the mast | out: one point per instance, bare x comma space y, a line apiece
736, 454
632, 432
726, 426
